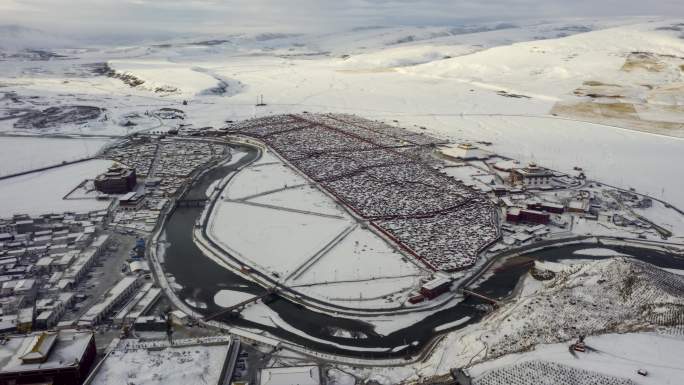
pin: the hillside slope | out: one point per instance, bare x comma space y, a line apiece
630, 76
617, 295
605, 296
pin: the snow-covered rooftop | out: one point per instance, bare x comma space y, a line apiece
62, 350
299, 375
465, 151
197, 365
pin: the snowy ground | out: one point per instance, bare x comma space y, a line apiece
43, 192
527, 328
228, 298
454, 75
313, 244
469, 174
19, 154
292, 237
263, 178
462, 106
383, 325
615, 356
175, 365
666, 217
360, 255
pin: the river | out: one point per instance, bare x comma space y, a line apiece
201, 278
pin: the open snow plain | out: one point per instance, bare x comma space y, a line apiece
276, 221
504, 95
495, 83
18, 154
28, 194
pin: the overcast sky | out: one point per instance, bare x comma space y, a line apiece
155, 18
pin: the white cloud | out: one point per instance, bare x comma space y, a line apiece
155, 18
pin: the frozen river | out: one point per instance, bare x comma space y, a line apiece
201, 279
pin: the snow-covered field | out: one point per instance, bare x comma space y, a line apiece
173, 365
43, 192
275, 240
668, 218
300, 198
312, 244
263, 178
445, 79
162, 76
460, 97
19, 154
467, 174
360, 255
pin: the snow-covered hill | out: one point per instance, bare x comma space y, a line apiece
17, 38
500, 83
615, 295
166, 78
631, 312
554, 68
611, 295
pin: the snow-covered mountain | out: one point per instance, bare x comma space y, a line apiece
613, 295
606, 296
538, 90
18, 38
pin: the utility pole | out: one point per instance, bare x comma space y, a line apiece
260, 101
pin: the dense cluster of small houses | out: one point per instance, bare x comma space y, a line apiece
166, 164
42, 261
381, 173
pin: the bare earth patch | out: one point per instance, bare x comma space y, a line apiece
637, 103
644, 61
618, 114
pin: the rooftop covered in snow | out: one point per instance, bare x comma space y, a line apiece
300, 375
43, 351
197, 365
465, 151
